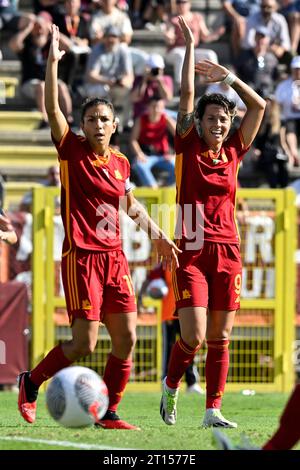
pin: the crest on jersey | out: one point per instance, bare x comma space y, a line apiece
118, 175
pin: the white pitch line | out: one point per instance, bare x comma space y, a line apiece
61, 443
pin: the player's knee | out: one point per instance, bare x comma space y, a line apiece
84, 348
124, 345
129, 341
226, 332
194, 340
219, 335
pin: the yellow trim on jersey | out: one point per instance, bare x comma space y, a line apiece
100, 161
63, 137
64, 176
128, 281
175, 285
205, 154
77, 304
71, 280
178, 173
234, 211
178, 179
118, 154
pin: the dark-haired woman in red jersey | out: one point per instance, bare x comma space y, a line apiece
207, 283
95, 272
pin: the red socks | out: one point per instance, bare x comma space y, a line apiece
52, 363
181, 356
116, 373
217, 364
116, 376
288, 433
216, 370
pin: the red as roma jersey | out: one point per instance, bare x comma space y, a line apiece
90, 192
206, 189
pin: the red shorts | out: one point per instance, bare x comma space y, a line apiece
210, 278
96, 284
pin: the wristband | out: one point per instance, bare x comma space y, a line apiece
229, 79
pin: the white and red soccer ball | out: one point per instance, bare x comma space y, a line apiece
77, 397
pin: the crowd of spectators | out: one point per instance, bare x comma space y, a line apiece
99, 59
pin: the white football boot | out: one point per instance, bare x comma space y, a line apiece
168, 404
214, 419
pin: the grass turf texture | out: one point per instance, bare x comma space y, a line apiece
257, 416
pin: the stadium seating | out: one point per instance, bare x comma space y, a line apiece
7, 87
17, 160
19, 120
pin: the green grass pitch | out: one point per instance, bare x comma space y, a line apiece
257, 416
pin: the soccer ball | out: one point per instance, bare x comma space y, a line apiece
77, 397
157, 289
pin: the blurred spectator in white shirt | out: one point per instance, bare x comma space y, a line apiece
110, 15
109, 72
287, 94
290, 9
237, 12
175, 40
280, 43
258, 66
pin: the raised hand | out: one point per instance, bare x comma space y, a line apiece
186, 31
210, 71
54, 51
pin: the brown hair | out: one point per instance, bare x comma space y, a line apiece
94, 101
218, 99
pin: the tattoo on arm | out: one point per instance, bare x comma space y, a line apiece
184, 122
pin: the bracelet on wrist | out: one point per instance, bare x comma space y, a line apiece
229, 79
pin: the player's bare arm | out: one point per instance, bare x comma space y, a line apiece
255, 110
57, 120
187, 92
166, 249
255, 104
